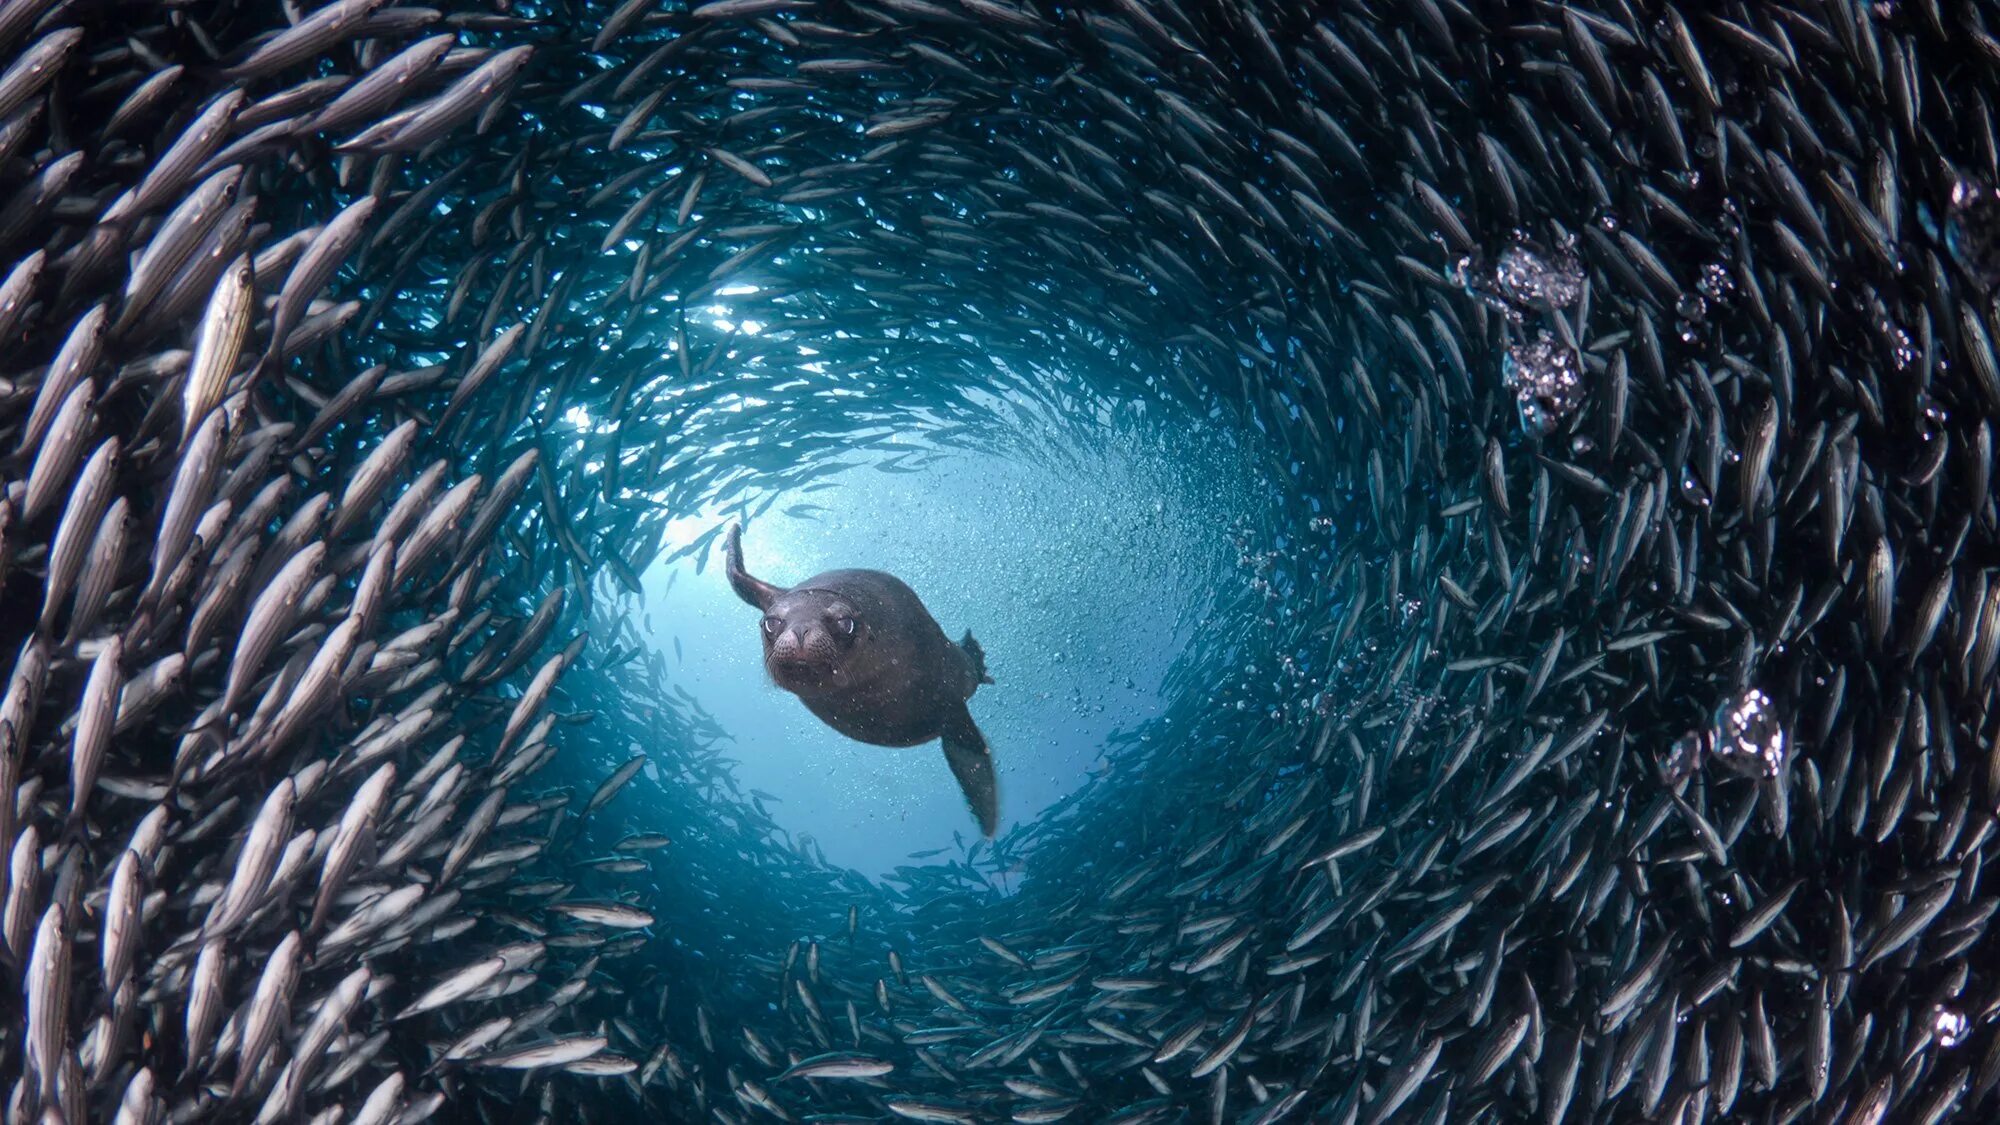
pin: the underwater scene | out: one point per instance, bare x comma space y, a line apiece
976, 561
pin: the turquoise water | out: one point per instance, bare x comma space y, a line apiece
1084, 569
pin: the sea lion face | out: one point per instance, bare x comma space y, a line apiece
808, 637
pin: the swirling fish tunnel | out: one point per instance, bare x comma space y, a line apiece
1592, 717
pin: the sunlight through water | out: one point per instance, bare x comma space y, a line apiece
1082, 576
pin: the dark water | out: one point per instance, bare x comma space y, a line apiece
1479, 516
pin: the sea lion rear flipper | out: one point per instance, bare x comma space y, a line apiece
755, 591
972, 764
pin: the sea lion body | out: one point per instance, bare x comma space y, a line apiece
906, 674
861, 651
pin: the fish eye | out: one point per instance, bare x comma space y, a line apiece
771, 625
844, 624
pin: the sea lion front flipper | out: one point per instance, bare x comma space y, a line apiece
755, 591
978, 657
972, 764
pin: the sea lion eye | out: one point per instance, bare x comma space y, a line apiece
772, 625
844, 624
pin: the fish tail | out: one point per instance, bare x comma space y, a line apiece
978, 656
76, 832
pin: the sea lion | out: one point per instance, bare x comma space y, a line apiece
861, 652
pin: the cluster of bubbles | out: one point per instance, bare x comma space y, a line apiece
1544, 375
1525, 277
1711, 287
1547, 381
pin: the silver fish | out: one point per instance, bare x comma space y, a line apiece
557, 1052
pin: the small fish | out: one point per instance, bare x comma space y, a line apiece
270, 1002
611, 785
609, 914
556, 1052
837, 1064
455, 987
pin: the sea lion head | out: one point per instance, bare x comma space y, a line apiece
809, 637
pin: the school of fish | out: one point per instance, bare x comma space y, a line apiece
1612, 739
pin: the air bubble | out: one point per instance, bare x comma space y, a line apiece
1745, 735
1749, 738
1684, 756
1972, 229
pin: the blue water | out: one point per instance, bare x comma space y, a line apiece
1083, 569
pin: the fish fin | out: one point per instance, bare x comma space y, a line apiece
755, 591
972, 764
978, 656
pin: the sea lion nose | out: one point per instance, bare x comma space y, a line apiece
788, 644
